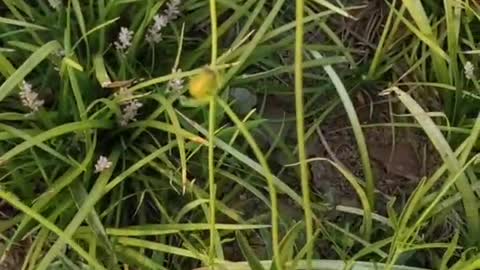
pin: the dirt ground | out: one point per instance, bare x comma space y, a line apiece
399, 157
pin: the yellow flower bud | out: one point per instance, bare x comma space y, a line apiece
203, 84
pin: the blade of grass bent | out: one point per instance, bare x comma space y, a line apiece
23, 135
93, 30
357, 131
332, 7
133, 242
4, 20
52, 133
159, 229
80, 195
438, 140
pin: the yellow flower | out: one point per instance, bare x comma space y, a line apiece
204, 84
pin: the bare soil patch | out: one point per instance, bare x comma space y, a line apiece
399, 157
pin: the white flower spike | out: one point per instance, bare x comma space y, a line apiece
469, 70
160, 21
124, 40
30, 98
102, 164
129, 112
154, 33
172, 10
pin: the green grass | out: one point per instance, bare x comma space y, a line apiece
227, 181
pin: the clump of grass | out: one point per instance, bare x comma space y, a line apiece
109, 159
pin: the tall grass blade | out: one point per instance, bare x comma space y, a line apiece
357, 130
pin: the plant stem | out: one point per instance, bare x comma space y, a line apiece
302, 156
211, 134
213, 22
211, 180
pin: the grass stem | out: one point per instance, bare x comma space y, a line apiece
302, 156
211, 134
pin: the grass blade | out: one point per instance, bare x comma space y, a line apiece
4, 20
357, 130
52, 133
34, 60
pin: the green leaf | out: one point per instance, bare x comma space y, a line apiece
333, 8
52, 133
6, 67
360, 140
21, 23
287, 244
160, 247
449, 252
78, 13
158, 229
100, 70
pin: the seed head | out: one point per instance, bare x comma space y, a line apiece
154, 33
124, 40
173, 10
102, 164
129, 112
469, 70
30, 98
